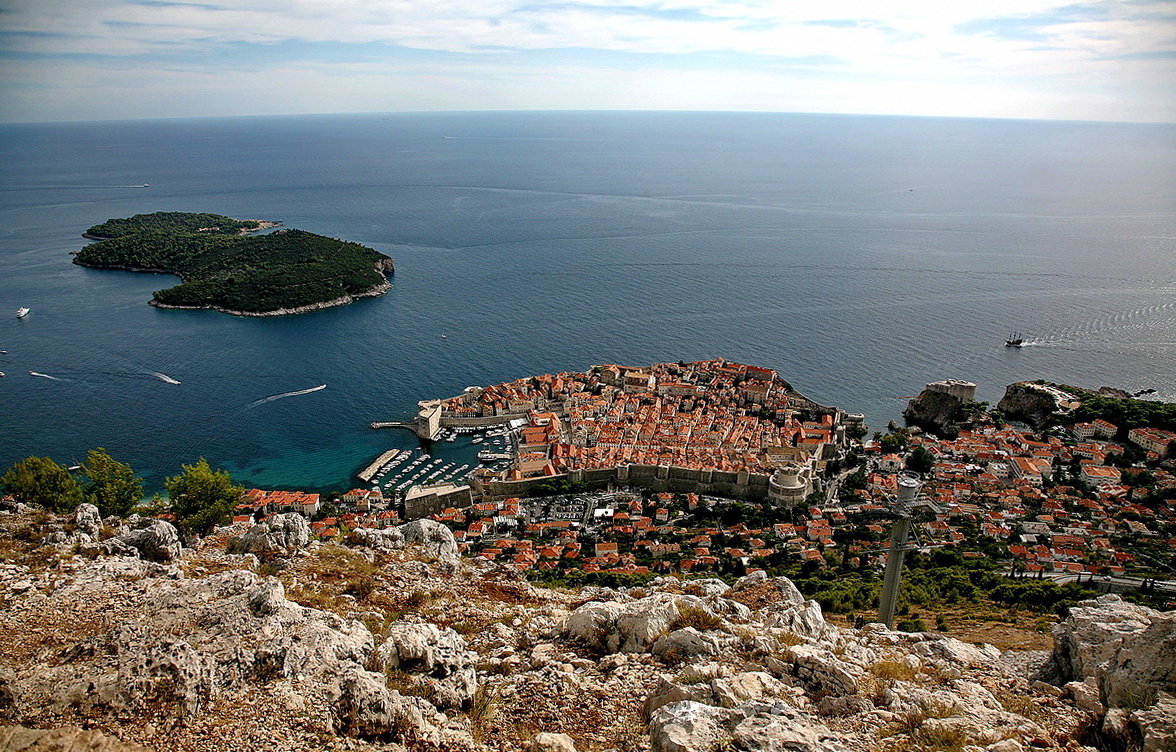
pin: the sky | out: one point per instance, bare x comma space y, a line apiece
129, 59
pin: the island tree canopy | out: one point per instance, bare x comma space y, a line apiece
238, 273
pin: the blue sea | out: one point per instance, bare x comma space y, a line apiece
859, 256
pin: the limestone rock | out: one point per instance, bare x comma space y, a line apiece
757, 577
958, 652
753, 726
941, 413
436, 539
685, 643
281, 533
633, 627
688, 727
365, 707
380, 539
782, 728
1129, 649
822, 671
87, 519
156, 540
1085, 695
68, 739
198, 639
732, 691
1157, 726
669, 692
804, 619
546, 741
1033, 403
707, 588
435, 656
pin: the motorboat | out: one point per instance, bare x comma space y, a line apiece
22, 312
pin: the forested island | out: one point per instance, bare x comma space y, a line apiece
224, 267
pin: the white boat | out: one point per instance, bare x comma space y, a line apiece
22, 312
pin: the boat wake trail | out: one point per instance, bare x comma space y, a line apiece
164, 377
45, 376
284, 395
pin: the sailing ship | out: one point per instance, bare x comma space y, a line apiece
1015, 340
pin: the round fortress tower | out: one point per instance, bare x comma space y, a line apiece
790, 484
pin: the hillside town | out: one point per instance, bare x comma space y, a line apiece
1085, 500
713, 414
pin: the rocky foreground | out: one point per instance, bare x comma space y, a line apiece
117, 637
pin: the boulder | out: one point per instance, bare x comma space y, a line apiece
732, 691
67, 739
434, 657
87, 519
822, 671
1157, 726
635, 626
546, 741
957, 652
281, 533
365, 707
436, 539
156, 540
685, 643
758, 577
707, 588
380, 539
1085, 695
752, 727
669, 691
688, 727
804, 618
779, 727
1129, 649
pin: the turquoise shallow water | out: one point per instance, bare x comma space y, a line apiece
859, 256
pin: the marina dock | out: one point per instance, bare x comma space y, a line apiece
372, 469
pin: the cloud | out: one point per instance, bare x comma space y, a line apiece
1026, 48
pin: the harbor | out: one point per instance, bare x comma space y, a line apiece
450, 458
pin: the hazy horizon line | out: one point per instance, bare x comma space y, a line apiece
539, 111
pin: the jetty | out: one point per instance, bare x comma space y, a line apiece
409, 424
380, 461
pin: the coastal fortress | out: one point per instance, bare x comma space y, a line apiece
711, 426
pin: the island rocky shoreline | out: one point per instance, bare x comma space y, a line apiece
223, 266
374, 292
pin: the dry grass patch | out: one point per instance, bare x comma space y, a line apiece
694, 616
1019, 704
892, 671
483, 709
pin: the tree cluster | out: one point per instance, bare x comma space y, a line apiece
199, 498
172, 222
1127, 413
254, 274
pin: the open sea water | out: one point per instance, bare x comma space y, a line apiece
859, 256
